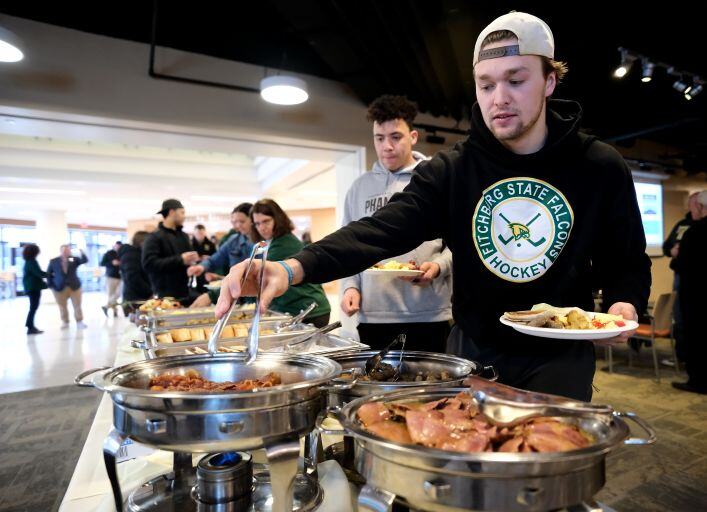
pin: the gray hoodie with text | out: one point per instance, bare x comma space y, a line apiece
388, 299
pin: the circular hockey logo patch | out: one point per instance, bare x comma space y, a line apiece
520, 227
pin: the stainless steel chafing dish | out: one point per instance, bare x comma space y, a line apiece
328, 345
199, 317
271, 418
209, 422
278, 337
444, 481
412, 361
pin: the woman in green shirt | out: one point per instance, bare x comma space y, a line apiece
33, 283
271, 223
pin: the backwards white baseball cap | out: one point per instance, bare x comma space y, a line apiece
534, 37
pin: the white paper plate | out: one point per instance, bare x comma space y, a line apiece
394, 273
570, 334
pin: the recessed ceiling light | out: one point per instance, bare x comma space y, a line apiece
9, 47
283, 90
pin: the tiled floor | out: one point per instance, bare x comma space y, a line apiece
57, 356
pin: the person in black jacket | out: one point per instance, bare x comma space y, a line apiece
204, 248
201, 243
136, 284
167, 253
33, 284
671, 248
64, 281
532, 210
689, 264
112, 264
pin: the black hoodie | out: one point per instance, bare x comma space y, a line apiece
136, 285
551, 226
162, 260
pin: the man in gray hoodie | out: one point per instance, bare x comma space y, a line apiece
421, 307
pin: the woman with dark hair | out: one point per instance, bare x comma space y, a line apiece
271, 223
33, 283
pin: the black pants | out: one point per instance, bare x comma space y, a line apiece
678, 328
425, 336
33, 306
695, 344
564, 368
318, 321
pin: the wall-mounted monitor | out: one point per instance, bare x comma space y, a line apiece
650, 202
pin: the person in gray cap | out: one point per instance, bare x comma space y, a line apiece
167, 253
532, 210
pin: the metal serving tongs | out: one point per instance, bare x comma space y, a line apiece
254, 332
299, 317
506, 406
298, 343
374, 361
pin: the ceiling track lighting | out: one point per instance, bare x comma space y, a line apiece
647, 74
686, 83
693, 91
627, 59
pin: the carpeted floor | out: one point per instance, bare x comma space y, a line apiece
670, 475
42, 433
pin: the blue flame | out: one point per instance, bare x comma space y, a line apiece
225, 459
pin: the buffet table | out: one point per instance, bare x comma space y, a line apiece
90, 489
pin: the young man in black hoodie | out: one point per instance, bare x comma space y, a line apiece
532, 210
167, 253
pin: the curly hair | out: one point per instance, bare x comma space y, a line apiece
389, 107
30, 252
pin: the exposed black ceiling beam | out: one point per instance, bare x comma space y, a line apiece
195, 81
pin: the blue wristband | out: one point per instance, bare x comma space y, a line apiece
290, 273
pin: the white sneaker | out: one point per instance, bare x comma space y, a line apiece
65, 325
81, 325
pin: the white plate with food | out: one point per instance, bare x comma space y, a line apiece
571, 323
394, 273
395, 269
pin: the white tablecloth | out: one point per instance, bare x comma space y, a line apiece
90, 490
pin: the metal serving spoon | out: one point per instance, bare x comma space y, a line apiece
506, 406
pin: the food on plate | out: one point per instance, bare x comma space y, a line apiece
545, 315
160, 304
454, 424
193, 381
203, 334
396, 265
